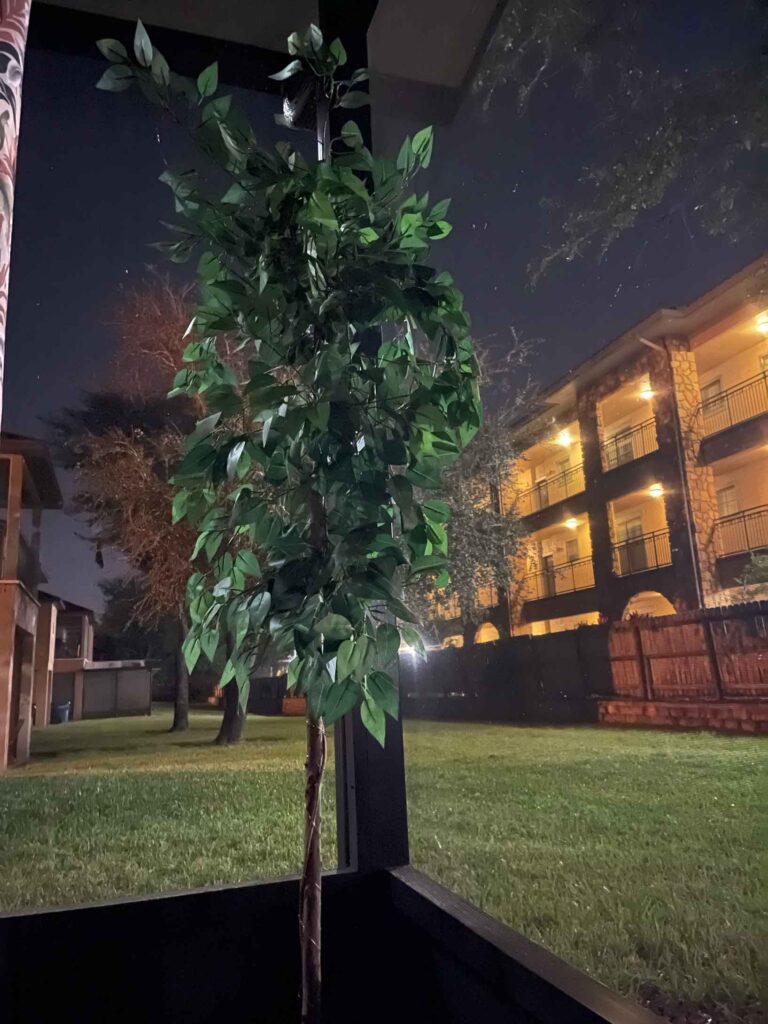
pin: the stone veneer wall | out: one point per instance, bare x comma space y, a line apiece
701, 481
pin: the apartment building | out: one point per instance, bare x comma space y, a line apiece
643, 482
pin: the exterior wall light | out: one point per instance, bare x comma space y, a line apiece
564, 439
647, 392
761, 323
656, 490
571, 523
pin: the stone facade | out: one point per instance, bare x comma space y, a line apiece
749, 717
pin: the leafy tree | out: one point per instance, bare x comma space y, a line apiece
483, 535
119, 635
754, 579
122, 452
689, 144
360, 386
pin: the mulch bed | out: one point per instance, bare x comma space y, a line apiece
708, 1011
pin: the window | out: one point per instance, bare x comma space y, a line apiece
764, 362
711, 390
727, 501
572, 549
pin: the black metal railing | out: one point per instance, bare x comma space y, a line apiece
548, 492
562, 578
742, 402
742, 531
629, 444
646, 551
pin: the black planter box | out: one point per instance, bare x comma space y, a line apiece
397, 948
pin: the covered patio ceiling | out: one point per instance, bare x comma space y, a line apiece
424, 50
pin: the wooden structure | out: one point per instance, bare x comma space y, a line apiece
706, 669
27, 486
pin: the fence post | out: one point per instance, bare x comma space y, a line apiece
646, 674
714, 660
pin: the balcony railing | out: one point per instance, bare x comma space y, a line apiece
629, 444
646, 551
559, 579
742, 402
742, 531
550, 491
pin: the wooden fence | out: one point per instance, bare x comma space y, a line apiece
712, 655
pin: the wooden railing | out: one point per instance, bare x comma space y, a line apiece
646, 551
562, 578
548, 492
742, 402
630, 444
742, 531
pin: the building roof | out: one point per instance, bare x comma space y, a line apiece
40, 467
668, 322
65, 606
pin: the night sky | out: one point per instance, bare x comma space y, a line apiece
88, 203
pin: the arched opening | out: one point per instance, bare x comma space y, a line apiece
486, 634
455, 640
648, 602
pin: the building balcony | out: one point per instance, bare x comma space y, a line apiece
562, 578
742, 532
550, 491
734, 405
628, 445
643, 552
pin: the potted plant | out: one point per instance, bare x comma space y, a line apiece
351, 386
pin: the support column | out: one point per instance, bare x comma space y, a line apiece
14, 21
45, 644
7, 637
25, 652
371, 815
78, 687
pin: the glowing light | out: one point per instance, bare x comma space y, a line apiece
564, 439
647, 392
571, 523
761, 323
656, 490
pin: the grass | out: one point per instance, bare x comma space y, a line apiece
634, 854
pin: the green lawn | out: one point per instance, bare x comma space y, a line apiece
632, 854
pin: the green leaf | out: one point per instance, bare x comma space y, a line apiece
437, 510
422, 145
346, 660
161, 73
233, 458
248, 563
320, 209
384, 692
387, 643
413, 639
142, 46
338, 52
373, 719
209, 642
353, 99
339, 699
191, 649
208, 81
287, 72
351, 135
259, 608
113, 50
334, 627
117, 78
179, 506
368, 235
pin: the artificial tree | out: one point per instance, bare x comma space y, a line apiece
308, 479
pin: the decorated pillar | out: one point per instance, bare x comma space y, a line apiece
14, 20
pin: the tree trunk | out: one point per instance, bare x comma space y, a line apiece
181, 693
310, 896
231, 730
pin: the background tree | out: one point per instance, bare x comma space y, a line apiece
305, 264
689, 144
